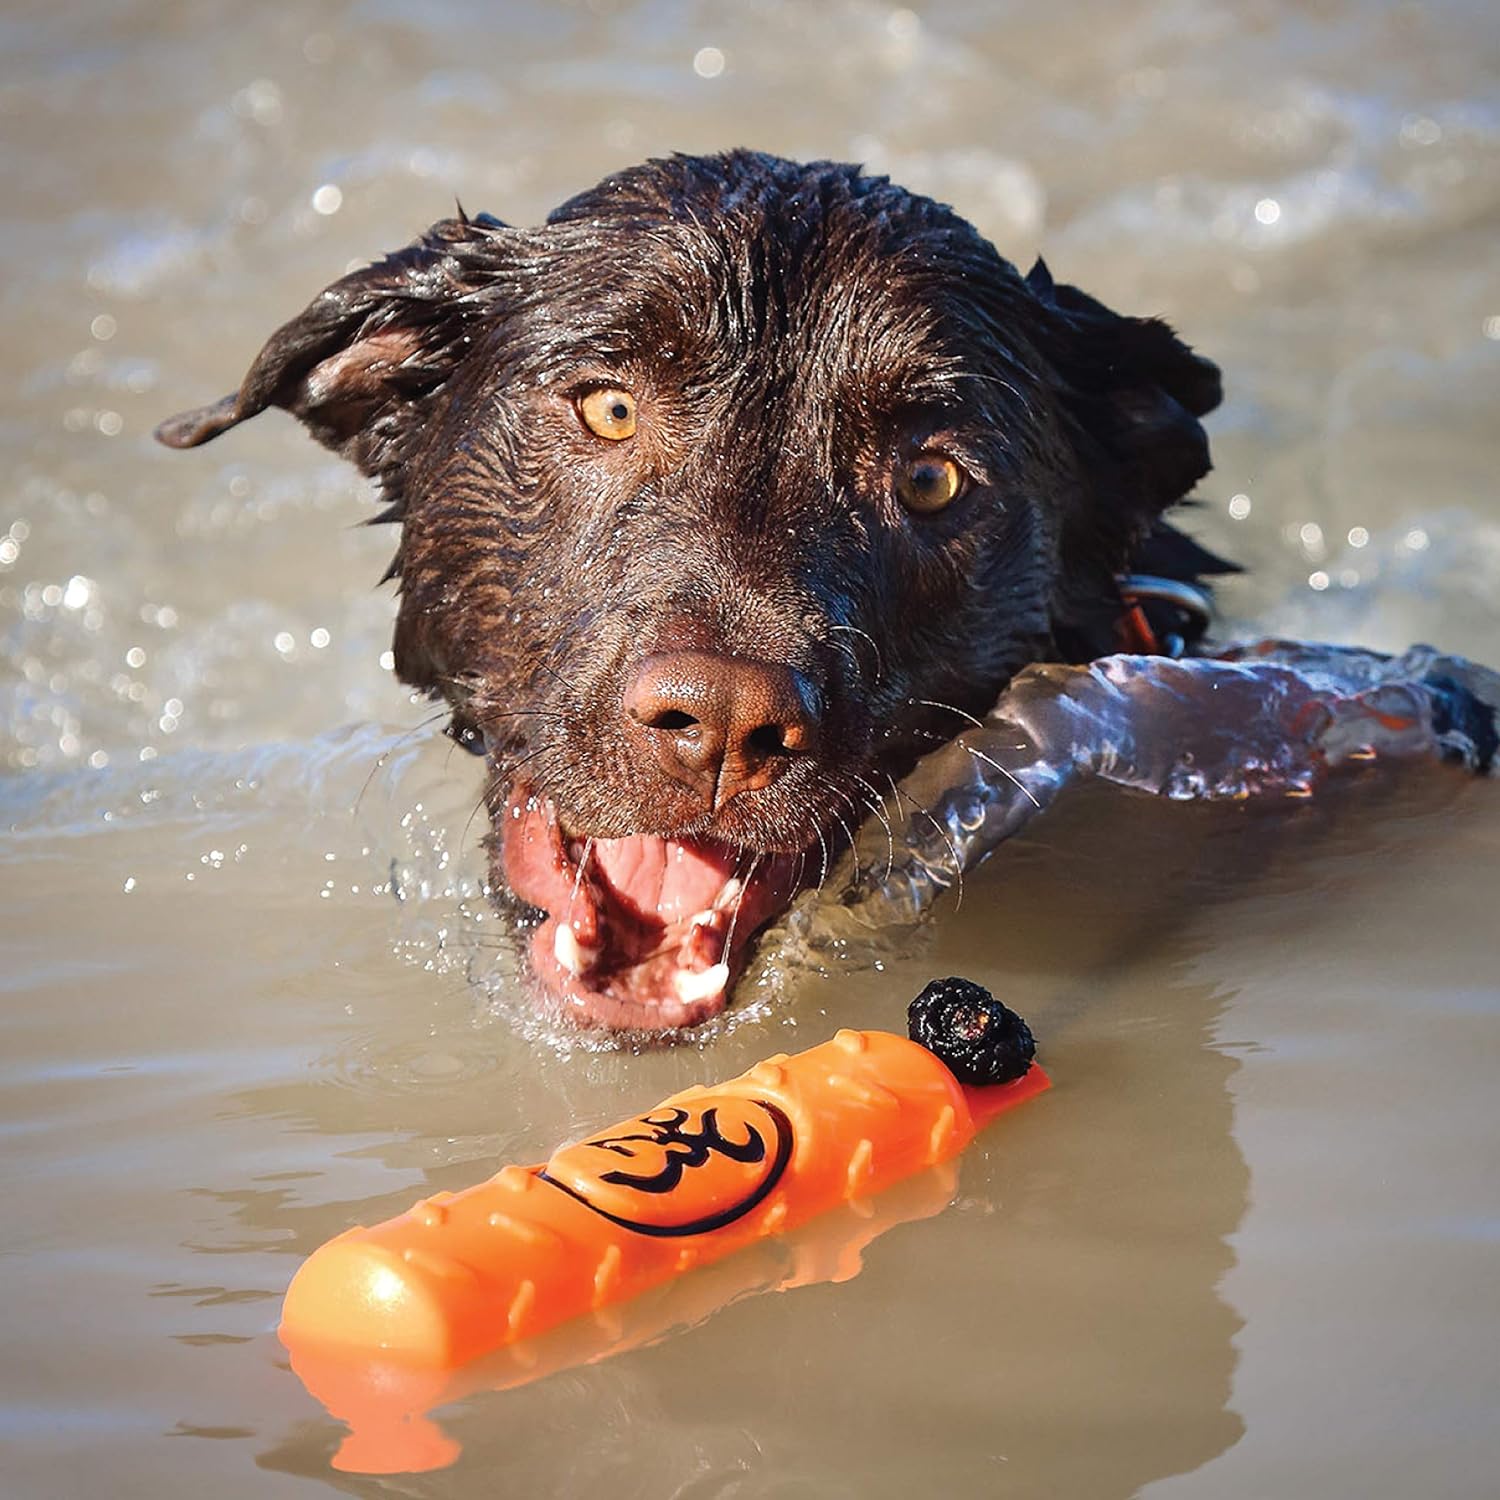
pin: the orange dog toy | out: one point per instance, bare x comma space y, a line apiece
708, 1171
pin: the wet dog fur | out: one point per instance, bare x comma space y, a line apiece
723, 495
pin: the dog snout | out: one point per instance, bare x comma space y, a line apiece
720, 724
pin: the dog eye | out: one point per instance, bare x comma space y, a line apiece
609, 413
928, 482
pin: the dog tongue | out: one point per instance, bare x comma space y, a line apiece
661, 878
653, 879
652, 931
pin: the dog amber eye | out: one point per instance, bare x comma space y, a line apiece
609, 414
928, 482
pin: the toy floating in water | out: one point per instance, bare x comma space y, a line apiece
708, 1172
703, 1173
385, 1402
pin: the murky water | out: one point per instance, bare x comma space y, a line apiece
1245, 1247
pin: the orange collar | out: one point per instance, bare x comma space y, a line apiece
1135, 633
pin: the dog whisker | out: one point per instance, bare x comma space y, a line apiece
844, 828
553, 673
390, 750
876, 805
850, 653
942, 833
583, 862
949, 708
496, 782
1009, 775
734, 916
875, 650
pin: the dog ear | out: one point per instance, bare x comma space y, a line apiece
1135, 389
1132, 392
356, 363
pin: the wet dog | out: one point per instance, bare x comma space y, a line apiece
723, 495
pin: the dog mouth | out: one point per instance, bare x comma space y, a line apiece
643, 932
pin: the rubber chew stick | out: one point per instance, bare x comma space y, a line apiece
704, 1173
387, 1403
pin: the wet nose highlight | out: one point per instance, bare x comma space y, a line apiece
722, 724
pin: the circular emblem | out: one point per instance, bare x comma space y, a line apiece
682, 1169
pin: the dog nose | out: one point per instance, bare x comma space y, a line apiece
722, 724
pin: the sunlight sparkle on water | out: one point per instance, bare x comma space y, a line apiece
903, 25
1420, 130
708, 62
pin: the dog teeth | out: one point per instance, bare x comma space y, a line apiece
574, 956
705, 985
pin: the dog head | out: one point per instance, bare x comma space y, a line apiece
723, 495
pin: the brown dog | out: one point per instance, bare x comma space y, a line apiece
723, 495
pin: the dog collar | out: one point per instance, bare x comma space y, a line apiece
1161, 616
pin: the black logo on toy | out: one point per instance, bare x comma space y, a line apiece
691, 1170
